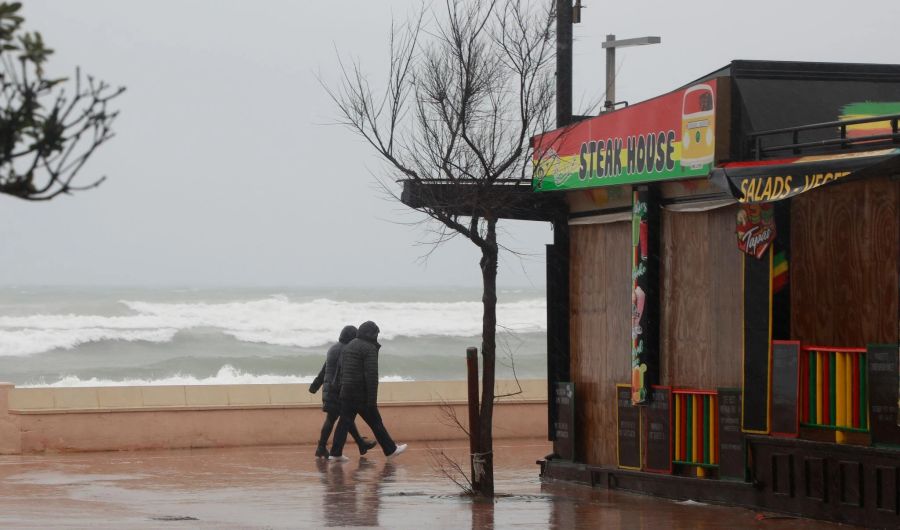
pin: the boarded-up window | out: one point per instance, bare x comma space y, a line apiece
600, 302
845, 241
700, 269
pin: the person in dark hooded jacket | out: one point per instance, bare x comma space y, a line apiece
359, 392
329, 380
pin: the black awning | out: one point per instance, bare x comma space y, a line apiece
508, 199
773, 180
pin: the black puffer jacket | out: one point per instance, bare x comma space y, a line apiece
331, 388
359, 367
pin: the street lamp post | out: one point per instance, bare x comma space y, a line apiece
611, 44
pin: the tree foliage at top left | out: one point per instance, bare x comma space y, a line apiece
49, 127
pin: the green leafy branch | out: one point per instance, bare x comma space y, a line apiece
49, 127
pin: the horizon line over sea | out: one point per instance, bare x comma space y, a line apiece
350, 284
101, 336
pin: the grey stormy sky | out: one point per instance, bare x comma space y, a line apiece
224, 172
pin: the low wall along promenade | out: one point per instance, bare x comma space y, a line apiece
35, 420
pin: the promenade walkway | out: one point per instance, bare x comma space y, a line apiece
285, 487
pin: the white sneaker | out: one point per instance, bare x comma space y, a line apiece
341, 458
400, 448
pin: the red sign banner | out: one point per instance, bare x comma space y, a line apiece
668, 137
755, 228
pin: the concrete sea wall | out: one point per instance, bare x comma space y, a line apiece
36, 420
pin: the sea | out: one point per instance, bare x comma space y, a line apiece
105, 336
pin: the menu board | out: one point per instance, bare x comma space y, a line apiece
757, 345
883, 378
732, 452
785, 380
564, 426
628, 426
658, 428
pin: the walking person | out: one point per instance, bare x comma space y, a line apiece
329, 380
359, 392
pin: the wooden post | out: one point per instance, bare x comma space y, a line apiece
474, 433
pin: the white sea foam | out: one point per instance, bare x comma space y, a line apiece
275, 320
30, 341
227, 375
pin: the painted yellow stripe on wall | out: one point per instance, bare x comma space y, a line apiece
840, 385
871, 126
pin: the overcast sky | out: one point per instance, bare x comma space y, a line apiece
224, 170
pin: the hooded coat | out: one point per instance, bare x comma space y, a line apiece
359, 367
331, 388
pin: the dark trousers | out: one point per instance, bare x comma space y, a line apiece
371, 416
330, 418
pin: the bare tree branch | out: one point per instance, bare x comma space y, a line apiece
467, 87
444, 464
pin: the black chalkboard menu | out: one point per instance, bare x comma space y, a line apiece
883, 378
785, 381
657, 427
757, 348
732, 452
564, 427
628, 425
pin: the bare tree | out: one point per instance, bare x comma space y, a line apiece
469, 83
48, 127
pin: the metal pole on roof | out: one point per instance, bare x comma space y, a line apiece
611, 44
610, 73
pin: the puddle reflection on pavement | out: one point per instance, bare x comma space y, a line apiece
286, 487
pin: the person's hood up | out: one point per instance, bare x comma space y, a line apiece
347, 334
368, 331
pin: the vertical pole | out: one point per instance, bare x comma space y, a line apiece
561, 242
558, 354
558, 271
474, 434
610, 74
563, 62
552, 264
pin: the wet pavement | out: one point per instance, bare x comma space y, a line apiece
286, 487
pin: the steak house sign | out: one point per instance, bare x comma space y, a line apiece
669, 137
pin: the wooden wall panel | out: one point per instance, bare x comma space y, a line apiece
701, 299
844, 264
600, 331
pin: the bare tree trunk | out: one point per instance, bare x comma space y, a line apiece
455, 123
489, 254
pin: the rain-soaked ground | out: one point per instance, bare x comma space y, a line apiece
285, 487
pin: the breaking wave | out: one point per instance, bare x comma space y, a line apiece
227, 375
275, 320
31, 340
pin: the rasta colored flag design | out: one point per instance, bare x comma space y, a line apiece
779, 272
696, 427
833, 388
869, 109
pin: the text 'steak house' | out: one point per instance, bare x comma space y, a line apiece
723, 291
